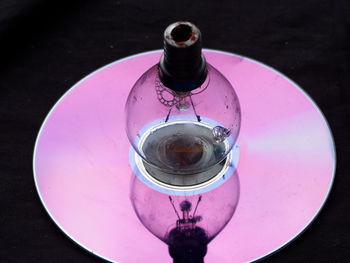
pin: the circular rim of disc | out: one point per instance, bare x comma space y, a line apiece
277, 249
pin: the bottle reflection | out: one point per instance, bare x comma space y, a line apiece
186, 221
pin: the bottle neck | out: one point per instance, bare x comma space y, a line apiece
182, 66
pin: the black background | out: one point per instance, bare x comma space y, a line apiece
47, 46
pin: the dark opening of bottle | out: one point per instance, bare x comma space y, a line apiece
181, 33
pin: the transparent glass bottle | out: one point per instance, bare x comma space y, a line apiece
182, 115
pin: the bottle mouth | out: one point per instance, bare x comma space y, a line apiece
181, 34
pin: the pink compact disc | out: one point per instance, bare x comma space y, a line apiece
83, 175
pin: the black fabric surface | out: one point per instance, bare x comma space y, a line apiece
47, 46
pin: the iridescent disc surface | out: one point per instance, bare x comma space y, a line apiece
286, 164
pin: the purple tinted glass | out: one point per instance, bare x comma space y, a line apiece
205, 120
210, 211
